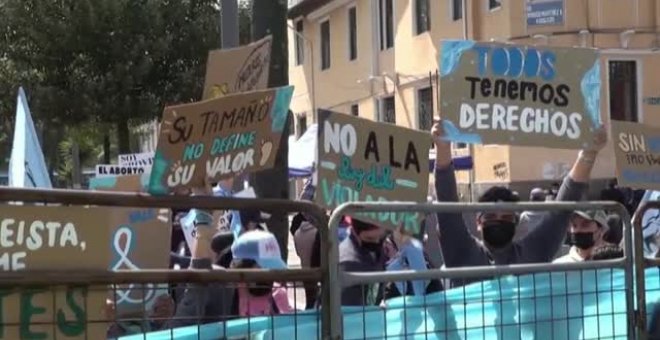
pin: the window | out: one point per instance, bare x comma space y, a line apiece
352, 33
425, 109
300, 48
387, 113
422, 18
302, 124
623, 90
386, 20
494, 4
456, 9
291, 124
325, 45
355, 110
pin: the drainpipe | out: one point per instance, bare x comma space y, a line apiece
471, 146
465, 19
375, 47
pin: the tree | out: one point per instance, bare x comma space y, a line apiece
113, 62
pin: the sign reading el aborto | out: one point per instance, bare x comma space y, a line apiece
495, 93
242, 69
140, 239
218, 139
363, 160
637, 153
47, 238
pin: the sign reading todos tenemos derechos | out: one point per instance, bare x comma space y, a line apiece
47, 238
241, 69
494, 93
219, 138
637, 152
140, 239
362, 160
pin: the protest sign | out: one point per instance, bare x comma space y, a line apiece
103, 170
637, 153
219, 138
495, 93
140, 240
362, 160
236, 70
136, 159
47, 238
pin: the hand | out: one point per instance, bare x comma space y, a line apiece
598, 142
438, 133
109, 311
400, 237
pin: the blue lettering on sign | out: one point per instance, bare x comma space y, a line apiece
515, 62
140, 216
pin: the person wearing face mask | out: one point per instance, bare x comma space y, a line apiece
585, 234
362, 251
460, 248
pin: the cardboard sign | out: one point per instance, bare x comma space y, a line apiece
362, 160
136, 159
140, 239
67, 238
219, 138
509, 94
104, 170
637, 152
236, 70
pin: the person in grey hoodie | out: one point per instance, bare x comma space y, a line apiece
460, 249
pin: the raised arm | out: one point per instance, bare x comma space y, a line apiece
543, 242
459, 248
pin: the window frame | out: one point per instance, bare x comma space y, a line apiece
381, 108
322, 65
382, 25
355, 113
352, 51
418, 103
452, 9
638, 85
491, 8
299, 43
416, 21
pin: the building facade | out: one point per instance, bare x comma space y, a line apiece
378, 59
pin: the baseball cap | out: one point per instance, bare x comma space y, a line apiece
597, 216
259, 246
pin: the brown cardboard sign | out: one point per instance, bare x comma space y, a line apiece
41, 238
363, 160
494, 93
637, 153
140, 239
219, 138
242, 69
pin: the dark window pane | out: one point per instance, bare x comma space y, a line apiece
352, 29
425, 109
355, 110
389, 114
457, 9
623, 90
325, 45
300, 47
422, 18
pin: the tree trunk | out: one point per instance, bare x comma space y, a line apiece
123, 137
269, 17
106, 148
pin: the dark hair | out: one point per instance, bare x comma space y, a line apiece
243, 263
498, 194
360, 226
614, 233
608, 252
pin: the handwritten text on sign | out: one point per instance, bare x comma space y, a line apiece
519, 95
219, 138
362, 160
40, 238
637, 152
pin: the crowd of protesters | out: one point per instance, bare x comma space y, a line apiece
502, 238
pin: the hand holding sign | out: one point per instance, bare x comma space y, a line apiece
599, 140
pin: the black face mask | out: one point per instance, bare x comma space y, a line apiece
498, 234
583, 241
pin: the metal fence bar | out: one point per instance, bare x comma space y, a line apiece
641, 263
360, 207
133, 199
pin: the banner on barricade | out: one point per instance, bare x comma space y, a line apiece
140, 240
494, 93
136, 159
242, 69
105, 170
47, 238
219, 138
637, 152
363, 160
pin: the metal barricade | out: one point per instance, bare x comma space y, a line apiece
56, 279
642, 263
350, 279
